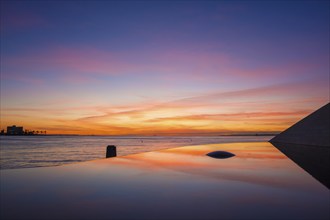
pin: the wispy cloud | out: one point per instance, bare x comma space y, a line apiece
186, 115
86, 62
267, 108
235, 116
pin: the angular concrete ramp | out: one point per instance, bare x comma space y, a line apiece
307, 143
312, 130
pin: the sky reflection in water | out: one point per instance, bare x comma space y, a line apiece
259, 183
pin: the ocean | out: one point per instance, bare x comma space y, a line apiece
42, 151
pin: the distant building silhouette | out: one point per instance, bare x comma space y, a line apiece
13, 130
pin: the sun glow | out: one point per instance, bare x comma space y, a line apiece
149, 69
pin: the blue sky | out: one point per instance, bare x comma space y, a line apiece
109, 57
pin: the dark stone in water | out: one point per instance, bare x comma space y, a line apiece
111, 151
220, 154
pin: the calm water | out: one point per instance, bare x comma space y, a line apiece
258, 183
40, 151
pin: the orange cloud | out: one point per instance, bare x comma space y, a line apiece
210, 113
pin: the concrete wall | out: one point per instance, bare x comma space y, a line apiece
307, 143
312, 130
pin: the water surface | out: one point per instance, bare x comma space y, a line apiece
40, 151
259, 182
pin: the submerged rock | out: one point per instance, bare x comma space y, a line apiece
220, 154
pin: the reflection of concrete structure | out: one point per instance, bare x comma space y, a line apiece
308, 144
13, 130
179, 183
315, 160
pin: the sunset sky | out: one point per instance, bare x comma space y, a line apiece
179, 67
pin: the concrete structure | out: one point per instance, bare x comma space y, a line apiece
179, 183
307, 143
13, 130
313, 130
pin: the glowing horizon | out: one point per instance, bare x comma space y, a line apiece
162, 68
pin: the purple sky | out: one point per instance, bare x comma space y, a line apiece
143, 67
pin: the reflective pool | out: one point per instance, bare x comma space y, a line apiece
259, 182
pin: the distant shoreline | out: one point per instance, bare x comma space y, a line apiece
147, 136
